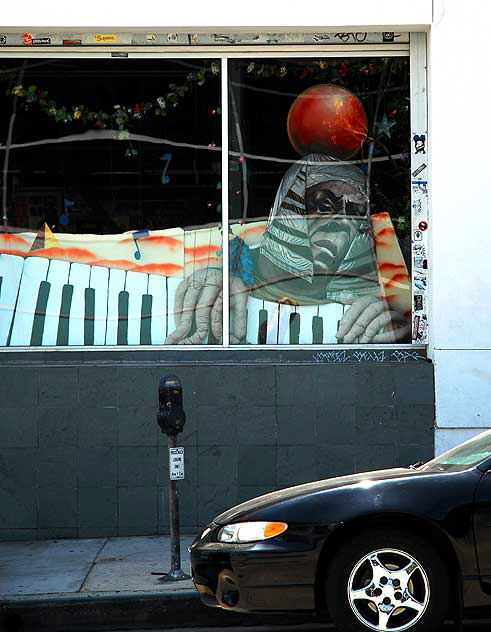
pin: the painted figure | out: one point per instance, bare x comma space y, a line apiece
318, 250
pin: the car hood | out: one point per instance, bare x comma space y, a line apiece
327, 484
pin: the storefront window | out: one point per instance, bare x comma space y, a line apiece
320, 201
113, 204
110, 199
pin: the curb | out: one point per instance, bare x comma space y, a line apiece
128, 610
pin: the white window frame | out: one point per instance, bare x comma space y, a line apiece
415, 50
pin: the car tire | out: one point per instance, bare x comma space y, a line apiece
402, 581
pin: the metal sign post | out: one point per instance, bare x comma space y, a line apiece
171, 419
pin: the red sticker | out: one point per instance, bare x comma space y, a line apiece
423, 225
27, 39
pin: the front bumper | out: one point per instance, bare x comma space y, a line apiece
272, 575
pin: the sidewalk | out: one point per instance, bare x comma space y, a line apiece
81, 567
103, 583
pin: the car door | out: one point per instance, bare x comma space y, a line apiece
482, 526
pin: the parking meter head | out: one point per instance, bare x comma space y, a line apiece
171, 416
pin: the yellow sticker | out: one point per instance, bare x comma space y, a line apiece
105, 38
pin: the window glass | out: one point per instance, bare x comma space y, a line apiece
111, 209
319, 201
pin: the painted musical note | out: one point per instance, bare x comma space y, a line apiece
65, 218
136, 236
166, 158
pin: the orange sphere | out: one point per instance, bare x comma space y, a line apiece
327, 119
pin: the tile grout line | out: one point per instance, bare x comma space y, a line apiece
94, 561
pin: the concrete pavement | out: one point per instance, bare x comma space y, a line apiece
99, 565
103, 583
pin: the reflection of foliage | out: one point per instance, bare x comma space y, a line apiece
120, 116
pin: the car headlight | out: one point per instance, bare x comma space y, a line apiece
251, 531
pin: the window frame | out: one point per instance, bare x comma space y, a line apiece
415, 50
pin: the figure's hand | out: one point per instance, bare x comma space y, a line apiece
370, 320
200, 296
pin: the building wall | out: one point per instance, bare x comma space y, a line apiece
460, 136
81, 453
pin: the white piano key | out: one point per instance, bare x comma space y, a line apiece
331, 314
136, 286
284, 323
79, 280
157, 288
58, 274
307, 313
272, 324
10, 272
99, 277
254, 306
172, 285
35, 270
116, 285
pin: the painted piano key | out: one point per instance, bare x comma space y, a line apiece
35, 271
10, 274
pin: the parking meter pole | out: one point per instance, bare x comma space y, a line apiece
175, 541
171, 419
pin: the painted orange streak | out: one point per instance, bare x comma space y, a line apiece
396, 279
380, 216
390, 266
14, 239
201, 251
381, 244
384, 231
252, 229
160, 240
9, 251
123, 264
166, 269
200, 262
68, 254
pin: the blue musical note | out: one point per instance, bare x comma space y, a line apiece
65, 218
166, 158
136, 236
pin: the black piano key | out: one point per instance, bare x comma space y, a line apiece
294, 328
89, 316
63, 323
146, 320
40, 314
317, 330
263, 327
122, 338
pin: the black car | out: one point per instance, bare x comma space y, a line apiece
398, 549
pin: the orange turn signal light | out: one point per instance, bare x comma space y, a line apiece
274, 528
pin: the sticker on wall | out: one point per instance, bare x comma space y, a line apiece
417, 207
419, 170
150, 38
105, 38
420, 282
41, 41
420, 186
388, 37
423, 226
27, 39
417, 235
418, 302
3, 40
419, 250
72, 42
419, 143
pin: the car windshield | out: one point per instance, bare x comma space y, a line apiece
464, 456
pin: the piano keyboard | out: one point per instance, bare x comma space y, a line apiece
47, 302
280, 323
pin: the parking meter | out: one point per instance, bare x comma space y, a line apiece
171, 416
171, 419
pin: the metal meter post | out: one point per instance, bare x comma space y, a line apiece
171, 419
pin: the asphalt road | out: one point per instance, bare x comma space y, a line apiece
480, 626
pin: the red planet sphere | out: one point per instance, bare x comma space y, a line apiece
327, 119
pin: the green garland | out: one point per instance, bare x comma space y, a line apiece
121, 116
